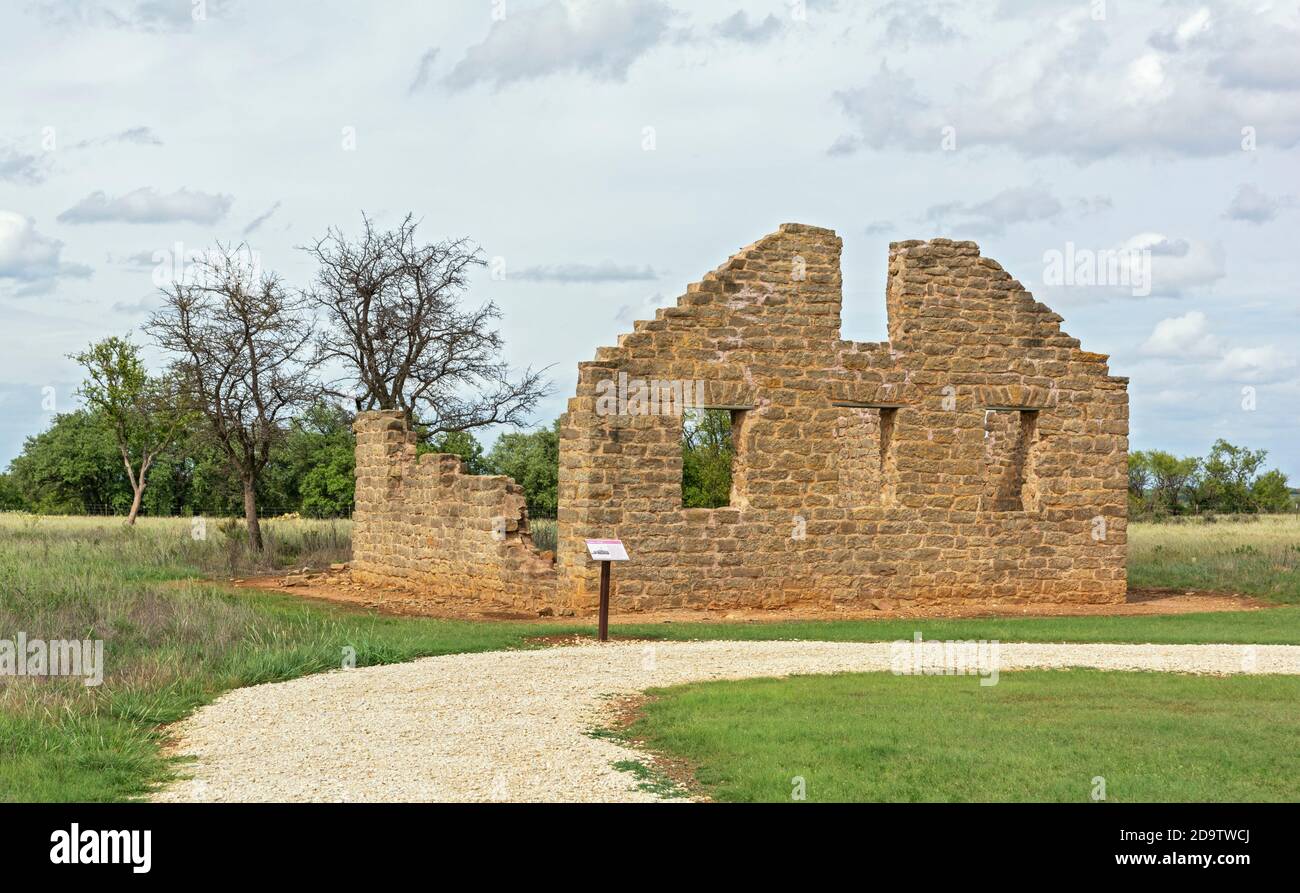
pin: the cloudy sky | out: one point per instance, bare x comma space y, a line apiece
608, 153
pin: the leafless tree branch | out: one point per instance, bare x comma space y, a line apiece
395, 326
241, 344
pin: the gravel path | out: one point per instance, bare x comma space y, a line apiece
512, 725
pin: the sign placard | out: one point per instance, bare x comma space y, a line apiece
606, 550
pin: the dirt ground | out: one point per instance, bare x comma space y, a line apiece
336, 586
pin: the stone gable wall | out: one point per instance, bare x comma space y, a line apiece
1002, 476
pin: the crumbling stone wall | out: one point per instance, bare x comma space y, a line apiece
426, 524
978, 456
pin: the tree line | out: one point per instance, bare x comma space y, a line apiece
257, 374
1229, 480
74, 468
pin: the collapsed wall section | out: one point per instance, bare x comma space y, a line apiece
423, 523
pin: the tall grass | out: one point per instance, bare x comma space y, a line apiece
172, 640
182, 545
1250, 554
542, 531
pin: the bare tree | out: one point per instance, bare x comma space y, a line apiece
242, 344
395, 327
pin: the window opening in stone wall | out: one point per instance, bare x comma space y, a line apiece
708, 456
888, 467
1010, 442
867, 464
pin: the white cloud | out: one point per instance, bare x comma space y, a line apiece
1147, 81
1084, 90
140, 136
1253, 206
1187, 336
147, 205
137, 259
888, 110
1186, 32
1267, 363
134, 15
33, 260
606, 272
629, 313
141, 307
17, 166
1018, 204
1178, 265
601, 38
422, 72
1193, 26
738, 27
910, 21
1148, 265
256, 223
1188, 340
1256, 50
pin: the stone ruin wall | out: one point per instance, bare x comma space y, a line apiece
979, 456
424, 524
1002, 475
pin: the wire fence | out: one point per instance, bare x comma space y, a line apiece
264, 513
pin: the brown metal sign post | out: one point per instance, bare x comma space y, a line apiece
604, 601
605, 551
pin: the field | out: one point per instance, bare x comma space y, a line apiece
1255, 555
175, 638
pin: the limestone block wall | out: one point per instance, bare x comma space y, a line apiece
425, 523
978, 456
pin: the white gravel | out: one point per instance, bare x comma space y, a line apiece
513, 725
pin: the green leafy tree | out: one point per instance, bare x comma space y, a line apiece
328, 490
1228, 477
1171, 479
11, 497
707, 453
1139, 474
72, 467
1139, 483
194, 478
144, 414
1271, 493
457, 443
313, 467
532, 459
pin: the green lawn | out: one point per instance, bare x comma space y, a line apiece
175, 639
1275, 626
1035, 736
